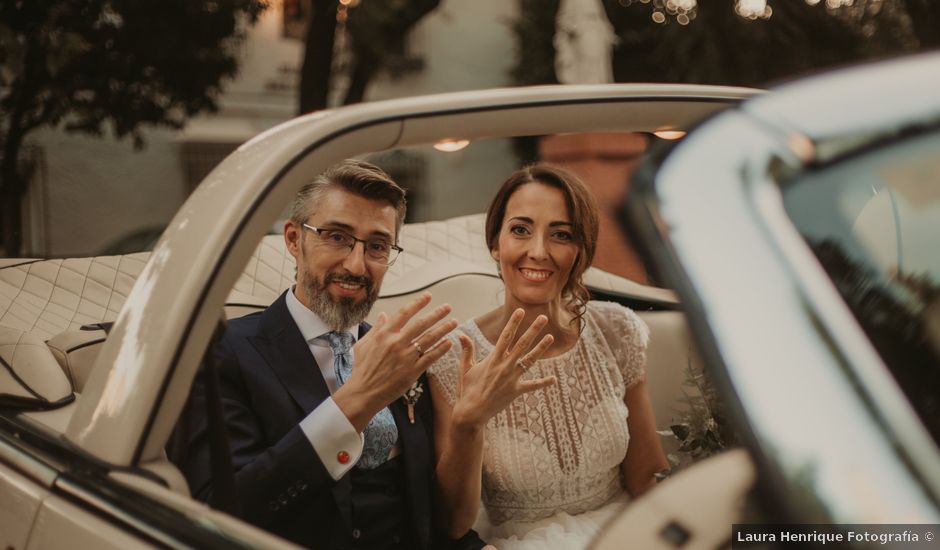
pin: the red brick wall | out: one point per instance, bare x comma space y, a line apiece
605, 161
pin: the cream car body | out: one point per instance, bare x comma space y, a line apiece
93, 473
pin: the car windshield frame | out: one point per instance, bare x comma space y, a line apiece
774, 331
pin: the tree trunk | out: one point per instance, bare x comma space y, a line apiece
372, 27
925, 18
318, 56
17, 125
12, 186
363, 70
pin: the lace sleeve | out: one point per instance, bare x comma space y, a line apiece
443, 373
628, 337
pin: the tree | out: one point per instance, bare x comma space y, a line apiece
377, 28
712, 43
316, 71
925, 19
93, 66
722, 46
535, 50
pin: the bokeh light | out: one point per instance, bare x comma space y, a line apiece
753, 9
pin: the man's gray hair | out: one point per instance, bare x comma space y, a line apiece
358, 177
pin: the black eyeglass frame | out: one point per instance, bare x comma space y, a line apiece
355, 240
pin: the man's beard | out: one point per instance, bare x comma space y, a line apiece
339, 313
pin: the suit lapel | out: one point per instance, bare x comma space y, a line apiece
283, 347
281, 344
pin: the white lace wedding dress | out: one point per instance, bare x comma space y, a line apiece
551, 459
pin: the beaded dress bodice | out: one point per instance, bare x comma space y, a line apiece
560, 448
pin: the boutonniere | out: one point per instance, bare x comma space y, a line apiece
411, 397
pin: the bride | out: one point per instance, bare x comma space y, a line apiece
552, 437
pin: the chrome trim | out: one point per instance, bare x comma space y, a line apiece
143, 515
95, 504
84, 480
14, 455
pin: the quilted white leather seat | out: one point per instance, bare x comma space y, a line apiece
433, 251
47, 297
29, 373
51, 300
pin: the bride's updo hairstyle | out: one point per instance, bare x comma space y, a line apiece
582, 208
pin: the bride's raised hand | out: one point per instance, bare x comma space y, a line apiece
484, 388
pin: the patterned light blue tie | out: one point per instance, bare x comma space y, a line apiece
381, 432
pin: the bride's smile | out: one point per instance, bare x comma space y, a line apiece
537, 248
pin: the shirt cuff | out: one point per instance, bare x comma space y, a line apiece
333, 437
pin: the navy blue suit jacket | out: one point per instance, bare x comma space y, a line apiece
269, 381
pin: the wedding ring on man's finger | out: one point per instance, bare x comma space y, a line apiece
418, 348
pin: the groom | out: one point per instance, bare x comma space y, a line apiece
326, 451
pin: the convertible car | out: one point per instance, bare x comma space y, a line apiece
800, 233
743, 220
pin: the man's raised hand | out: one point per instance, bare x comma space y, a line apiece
391, 356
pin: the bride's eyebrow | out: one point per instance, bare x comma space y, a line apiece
528, 220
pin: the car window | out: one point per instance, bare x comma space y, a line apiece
454, 178
873, 221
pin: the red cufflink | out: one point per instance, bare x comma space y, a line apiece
342, 457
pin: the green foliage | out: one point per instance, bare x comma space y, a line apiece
718, 46
128, 62
535, 58
535, 52
86, 65
378, 31
702, 429
377, 27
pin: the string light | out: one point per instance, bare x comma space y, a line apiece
753, 9
682, 11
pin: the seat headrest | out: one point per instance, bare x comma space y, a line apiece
30, 377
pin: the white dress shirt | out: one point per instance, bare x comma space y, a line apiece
329, 431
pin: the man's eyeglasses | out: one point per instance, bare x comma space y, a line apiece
377, 250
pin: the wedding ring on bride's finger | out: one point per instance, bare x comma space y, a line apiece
522, 363
418, 348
